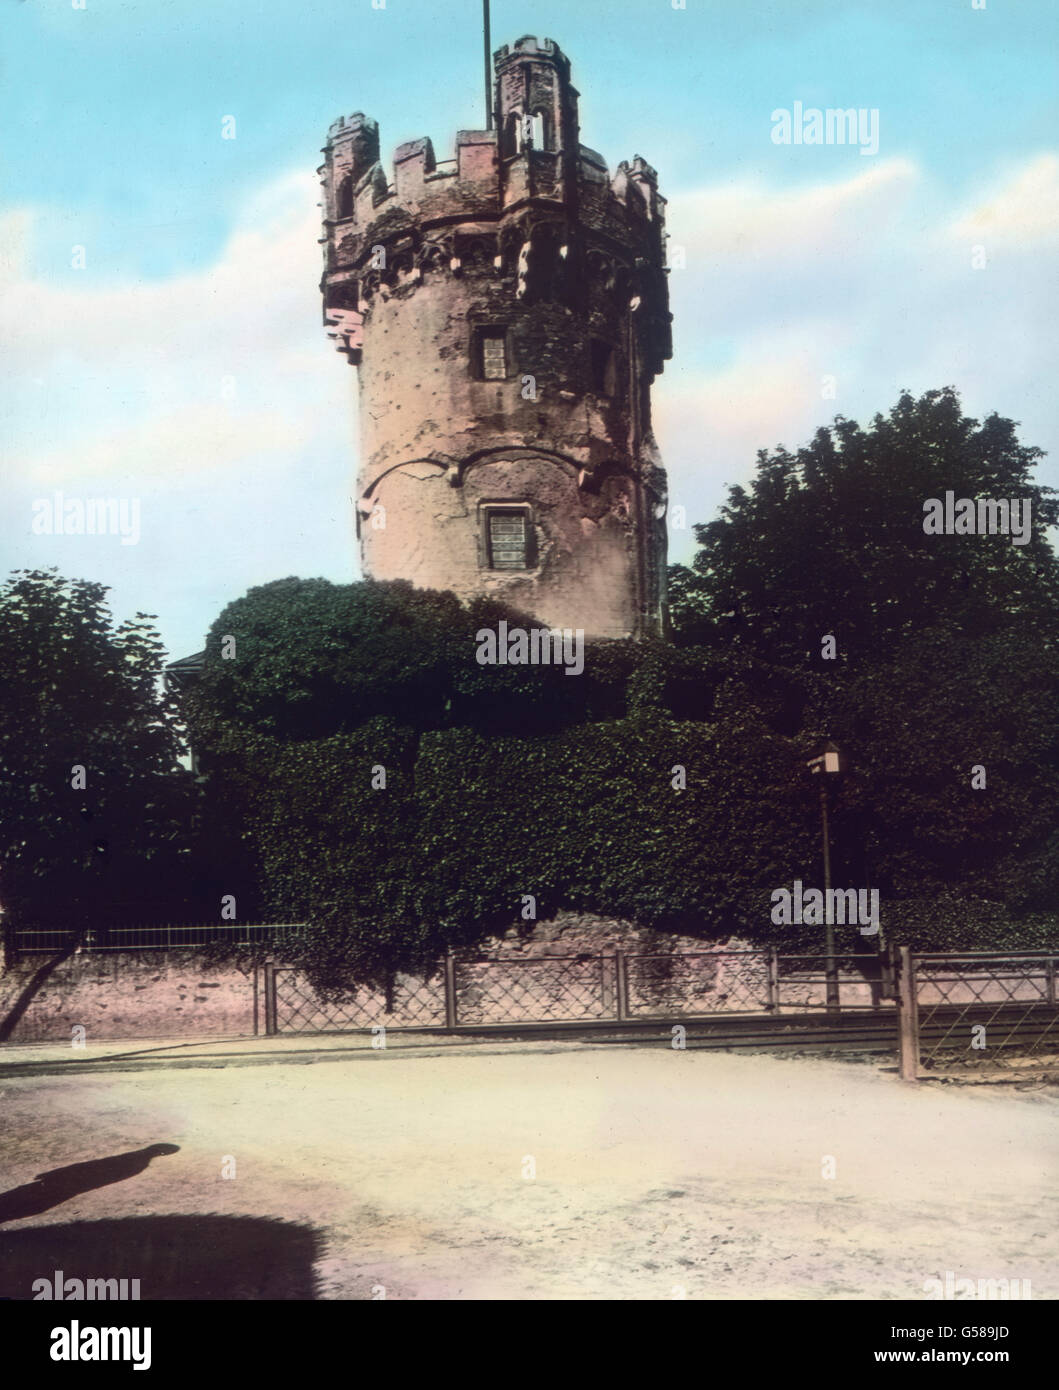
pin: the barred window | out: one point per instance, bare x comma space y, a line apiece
508, 540
493, 357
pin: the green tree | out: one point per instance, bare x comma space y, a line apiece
307, 659
945, 658
830, 540
93, 806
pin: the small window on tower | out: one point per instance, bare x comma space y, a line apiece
492, 355
508, 539
344, 199
604, 368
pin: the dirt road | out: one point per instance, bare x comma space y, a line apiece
528, 1171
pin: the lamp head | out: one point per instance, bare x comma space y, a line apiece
830, 758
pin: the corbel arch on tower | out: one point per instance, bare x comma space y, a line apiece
444, 463
516, 453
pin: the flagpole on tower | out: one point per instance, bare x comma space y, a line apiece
488, 75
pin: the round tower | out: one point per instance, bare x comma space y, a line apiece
507, 312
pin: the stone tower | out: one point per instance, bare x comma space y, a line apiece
507, 312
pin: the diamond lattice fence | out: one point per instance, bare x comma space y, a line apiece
698, 983
412, 1003
540, 990
987, 1014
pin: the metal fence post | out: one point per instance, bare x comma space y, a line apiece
1049, 973
621, 991
887, 988
908, 1016
270, 998
450, 989
773, 981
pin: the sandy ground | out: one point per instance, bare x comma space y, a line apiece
407, 1174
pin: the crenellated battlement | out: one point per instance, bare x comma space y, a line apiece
478, 180
432, 213
348, 124
531, 47
533, 159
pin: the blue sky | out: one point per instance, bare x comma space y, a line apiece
185, 364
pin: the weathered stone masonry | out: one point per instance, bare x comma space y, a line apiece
507, 312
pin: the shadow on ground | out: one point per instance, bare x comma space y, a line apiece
60, 1184
194, 1257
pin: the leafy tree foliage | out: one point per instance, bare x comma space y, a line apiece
830, 540
675, 824
306, 659
76, 692
946, 658
331, 826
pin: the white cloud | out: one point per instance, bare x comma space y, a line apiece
15, 227
257, 298
186, 446
868, 280
214, 396
749, 222
1021, 213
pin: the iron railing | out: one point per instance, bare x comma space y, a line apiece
292, 1006
147, 937
979, 1013
480, 991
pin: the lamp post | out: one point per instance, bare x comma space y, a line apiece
829, 762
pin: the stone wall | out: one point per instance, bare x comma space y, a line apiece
173, 994
129, 994
562, 970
